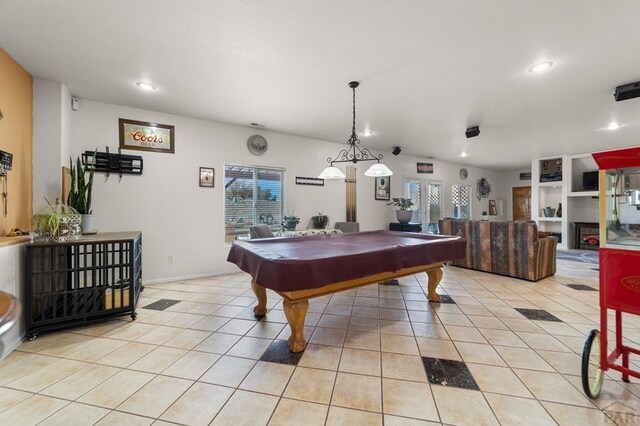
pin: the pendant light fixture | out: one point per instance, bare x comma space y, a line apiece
354, 153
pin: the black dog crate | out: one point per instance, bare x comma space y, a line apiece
81, 282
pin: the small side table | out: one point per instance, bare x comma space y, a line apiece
405, 227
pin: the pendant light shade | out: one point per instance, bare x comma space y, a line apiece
354, 153
378, 170
332, 172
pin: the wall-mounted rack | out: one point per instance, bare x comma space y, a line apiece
105, 162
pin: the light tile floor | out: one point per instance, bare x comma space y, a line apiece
198, 361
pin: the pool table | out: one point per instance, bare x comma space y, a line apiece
299, 269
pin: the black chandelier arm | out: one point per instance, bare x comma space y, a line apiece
353, 155
356, 161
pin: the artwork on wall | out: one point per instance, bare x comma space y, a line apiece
493, 210
146, 136
206, 177
551, 170
425, 168
300, 180
383, 188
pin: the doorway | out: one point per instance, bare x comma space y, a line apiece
427, 203
521, 202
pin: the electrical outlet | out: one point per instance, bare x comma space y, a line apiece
171, 259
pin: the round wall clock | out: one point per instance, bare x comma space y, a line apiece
463, 174
257, 145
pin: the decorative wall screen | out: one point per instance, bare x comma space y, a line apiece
461, 201
253, 195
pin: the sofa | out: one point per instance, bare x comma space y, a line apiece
515, 249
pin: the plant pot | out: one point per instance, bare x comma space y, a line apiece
290, 226
548, 212
88, 224
319, 222
404, 216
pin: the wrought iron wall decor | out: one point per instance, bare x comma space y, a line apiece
105, 162
300, 180
6, 162
483, 190
354, 153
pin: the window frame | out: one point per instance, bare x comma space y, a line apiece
458, 204
254, 181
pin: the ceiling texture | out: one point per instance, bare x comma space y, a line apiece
428, 69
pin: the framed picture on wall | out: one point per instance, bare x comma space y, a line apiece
383, 188
493, 210
146, 136
206, 177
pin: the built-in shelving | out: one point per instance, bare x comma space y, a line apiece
550, 219
583, 194
577, 205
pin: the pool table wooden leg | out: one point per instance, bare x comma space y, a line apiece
261, 294
434, 275
296, 313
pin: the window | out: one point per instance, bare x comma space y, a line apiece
253, 195
414, 191
461, 202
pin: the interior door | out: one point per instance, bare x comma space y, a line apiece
521, 203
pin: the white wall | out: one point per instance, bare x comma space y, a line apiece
179, 218
11, 281
51, 139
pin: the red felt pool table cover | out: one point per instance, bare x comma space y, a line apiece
300, 263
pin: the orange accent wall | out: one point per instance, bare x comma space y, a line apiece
16, 128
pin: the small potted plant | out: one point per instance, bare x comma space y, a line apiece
289, 222
80, 194
404, 213
320, 220
56, 222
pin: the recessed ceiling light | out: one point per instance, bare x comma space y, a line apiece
366, 133
146, 86
613, 126
464, 154
541, 67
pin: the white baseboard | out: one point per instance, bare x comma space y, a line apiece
191, 277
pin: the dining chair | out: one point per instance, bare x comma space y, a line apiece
260, 231
348, 226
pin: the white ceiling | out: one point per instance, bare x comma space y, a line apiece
428, 69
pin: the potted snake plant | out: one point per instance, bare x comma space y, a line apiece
80, 194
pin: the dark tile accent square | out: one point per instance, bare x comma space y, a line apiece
581, 287
279, 353
538, 314
392, 281
162, 304
445, 299
447, 372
